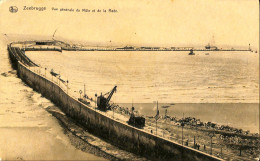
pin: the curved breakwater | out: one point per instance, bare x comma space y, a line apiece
117, 132
28, 130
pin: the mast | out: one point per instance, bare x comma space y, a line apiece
213, 41
156, 118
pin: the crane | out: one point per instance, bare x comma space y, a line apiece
54, 34
103, 102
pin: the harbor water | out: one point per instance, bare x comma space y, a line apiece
221, 87
169, 77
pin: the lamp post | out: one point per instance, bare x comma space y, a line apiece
113, 112
211, 145
95, 101
45, 82
240, 146
84, 91
67, 87
68, 95
164, 122
182, 125
45, 71
211, 135
195, 136
95, 107
80, 94
194, 142
156, 117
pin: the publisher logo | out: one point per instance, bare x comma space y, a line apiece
13, 9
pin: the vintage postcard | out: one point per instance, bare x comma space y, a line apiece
129, 80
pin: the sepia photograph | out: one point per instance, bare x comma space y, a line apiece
141, 80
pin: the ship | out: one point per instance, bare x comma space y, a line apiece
191, 52
209, 47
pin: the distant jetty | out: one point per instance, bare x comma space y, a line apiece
55, 45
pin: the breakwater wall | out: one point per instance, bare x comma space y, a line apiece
116, 132
16, 54
115, 49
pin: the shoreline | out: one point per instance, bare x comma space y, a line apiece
193, 121
226, 144
86, 142
192, 110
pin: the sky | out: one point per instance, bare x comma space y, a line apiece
138, 22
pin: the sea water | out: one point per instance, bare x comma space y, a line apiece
221, 87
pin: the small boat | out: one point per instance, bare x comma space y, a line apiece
165, 106
53, 73
191, 52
